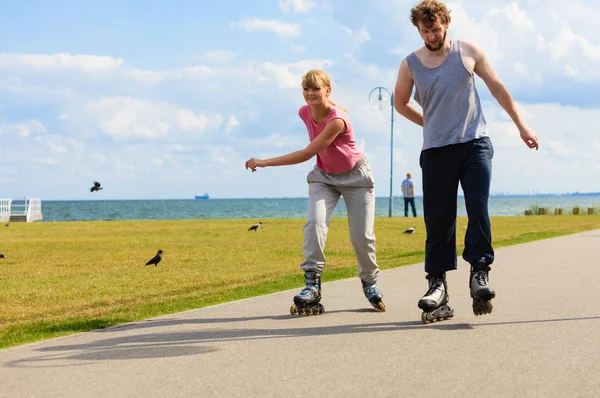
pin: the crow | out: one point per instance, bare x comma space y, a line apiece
1, 255
255, 227
96, 187
156, 259
409, 231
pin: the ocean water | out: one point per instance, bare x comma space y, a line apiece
189, 209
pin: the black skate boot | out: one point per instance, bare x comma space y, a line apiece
435, 302
307, 302
481, 293
374, 295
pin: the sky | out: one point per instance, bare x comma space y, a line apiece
167, 100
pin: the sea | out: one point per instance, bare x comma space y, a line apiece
192, 209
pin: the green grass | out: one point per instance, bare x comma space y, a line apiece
63, 278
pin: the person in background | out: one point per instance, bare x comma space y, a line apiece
408, 191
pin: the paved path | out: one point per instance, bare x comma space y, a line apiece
542, 340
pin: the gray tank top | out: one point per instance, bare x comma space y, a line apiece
451, 108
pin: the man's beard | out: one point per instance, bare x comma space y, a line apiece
440, 45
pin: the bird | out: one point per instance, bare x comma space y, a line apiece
96, 187
156, 259
1, 255
409, 231
255, 227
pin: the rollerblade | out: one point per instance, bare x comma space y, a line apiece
435, 302
374, 295
307, 302
481, 293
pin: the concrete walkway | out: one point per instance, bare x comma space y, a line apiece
542, 340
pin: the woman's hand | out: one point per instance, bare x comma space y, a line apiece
253, 163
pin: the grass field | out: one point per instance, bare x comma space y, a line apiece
63, 278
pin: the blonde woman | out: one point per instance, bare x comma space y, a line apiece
341, 170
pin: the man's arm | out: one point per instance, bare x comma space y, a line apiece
402, 93
484, 70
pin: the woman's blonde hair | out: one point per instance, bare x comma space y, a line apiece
318, 79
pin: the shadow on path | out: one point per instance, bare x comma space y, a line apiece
195, 342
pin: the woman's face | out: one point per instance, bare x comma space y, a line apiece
316, 96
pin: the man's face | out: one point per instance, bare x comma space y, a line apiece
433, 35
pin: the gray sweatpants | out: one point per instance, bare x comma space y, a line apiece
324, 191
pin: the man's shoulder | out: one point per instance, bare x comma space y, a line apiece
469, 48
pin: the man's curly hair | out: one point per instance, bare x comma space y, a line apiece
428, 11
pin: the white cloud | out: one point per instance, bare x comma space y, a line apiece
25, 128
218, 56
87, 63
125, 119
358, 37
232, 123
296, 6
190, 121
57, 148
280, 28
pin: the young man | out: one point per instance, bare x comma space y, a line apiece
456, 149
408, 191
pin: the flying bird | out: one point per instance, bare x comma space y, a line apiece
96, 187
255, 227
156, 259
409, 231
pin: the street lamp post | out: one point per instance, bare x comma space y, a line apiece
380, 99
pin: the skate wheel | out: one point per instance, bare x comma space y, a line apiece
424, 317
490, 307
294, 309
381, 306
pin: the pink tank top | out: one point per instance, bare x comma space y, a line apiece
343, 153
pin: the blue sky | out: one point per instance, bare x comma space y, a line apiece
160, 99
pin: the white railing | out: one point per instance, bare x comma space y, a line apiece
27, 209
5, 209
34, 210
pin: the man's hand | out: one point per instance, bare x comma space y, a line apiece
528, 136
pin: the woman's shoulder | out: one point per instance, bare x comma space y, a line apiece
303, 110
338, 112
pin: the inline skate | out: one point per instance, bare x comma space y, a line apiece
481, 293
374, 295
308, 301
435, 302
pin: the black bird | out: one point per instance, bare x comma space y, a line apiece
96, 187
156, 259
409, 231
1, 255
255, 227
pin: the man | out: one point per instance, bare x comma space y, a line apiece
408, 191
456, 149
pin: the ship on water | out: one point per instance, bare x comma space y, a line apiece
205, 196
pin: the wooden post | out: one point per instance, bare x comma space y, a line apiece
557, 211
528, 212
590, 210
541, 211
575, 211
